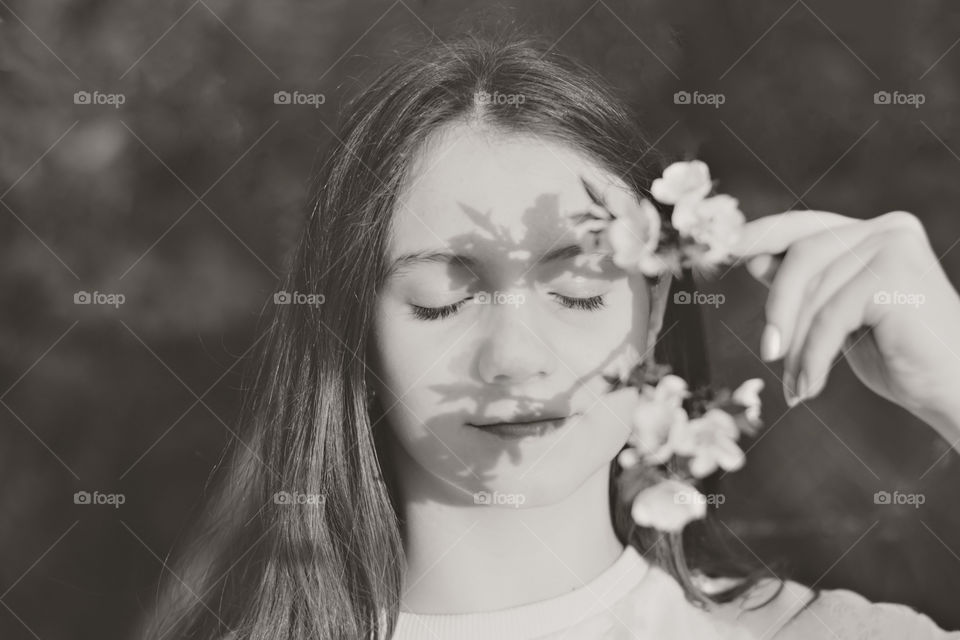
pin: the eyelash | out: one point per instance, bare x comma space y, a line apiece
439, 313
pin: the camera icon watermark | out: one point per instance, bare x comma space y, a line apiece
488, 98
898, 498
899, 98
99, 98
296, 498
684, 497
499, 297
697, 98
497, 499
899, 297
699, 297
299, 98
88, 498
97, 297
296, 297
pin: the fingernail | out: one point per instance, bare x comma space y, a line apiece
803, 386
770, 343
758, 266
817, 385
788, 390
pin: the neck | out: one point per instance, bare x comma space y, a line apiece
464, 558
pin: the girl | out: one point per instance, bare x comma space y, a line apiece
428, 452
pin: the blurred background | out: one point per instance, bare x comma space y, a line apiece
152, 179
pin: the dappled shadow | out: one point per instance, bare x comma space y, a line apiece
475, 400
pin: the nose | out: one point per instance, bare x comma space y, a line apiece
514, 349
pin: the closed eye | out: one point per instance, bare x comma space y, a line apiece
593, 303
584, 304
437, 313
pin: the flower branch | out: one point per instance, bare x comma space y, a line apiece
678, 435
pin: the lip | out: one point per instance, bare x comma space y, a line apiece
525, 429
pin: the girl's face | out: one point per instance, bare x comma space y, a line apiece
492, 315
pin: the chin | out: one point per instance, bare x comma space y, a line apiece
551, 481
535, 494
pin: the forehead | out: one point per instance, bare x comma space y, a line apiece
471, 187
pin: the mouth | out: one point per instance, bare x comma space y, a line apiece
525, 428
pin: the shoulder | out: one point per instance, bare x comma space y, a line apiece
846, 614
788, 610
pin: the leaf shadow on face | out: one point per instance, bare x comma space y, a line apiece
470, 463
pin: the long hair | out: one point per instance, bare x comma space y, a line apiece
261, 567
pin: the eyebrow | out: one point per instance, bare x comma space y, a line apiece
445, 257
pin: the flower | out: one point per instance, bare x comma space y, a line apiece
668, 506
682, 180
671, 389
748, 395
657, 416
714, 222
634, 236
661, 430
710, 442
700, 233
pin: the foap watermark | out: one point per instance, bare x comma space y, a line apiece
96, 497
898, 97
499, 297
485, 98
299, 98
899, 297
98, 297
297, 297
98, 97
698, 297
497, 498
712, 99
715, 499
294, 497
885, 497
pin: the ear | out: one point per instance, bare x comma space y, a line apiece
659, 295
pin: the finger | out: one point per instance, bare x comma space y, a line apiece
797, 276
842, 314
775, 233
888, 233
764, 267
835, 276
789, 275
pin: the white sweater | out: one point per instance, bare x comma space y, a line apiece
637, 601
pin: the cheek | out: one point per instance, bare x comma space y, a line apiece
590, 446
413, 357
588, 347
417, 382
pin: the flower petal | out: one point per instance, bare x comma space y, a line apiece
702, 465
682, 180
635, 235
628, 458
748, 395
668, 506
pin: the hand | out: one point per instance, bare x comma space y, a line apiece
874, 289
